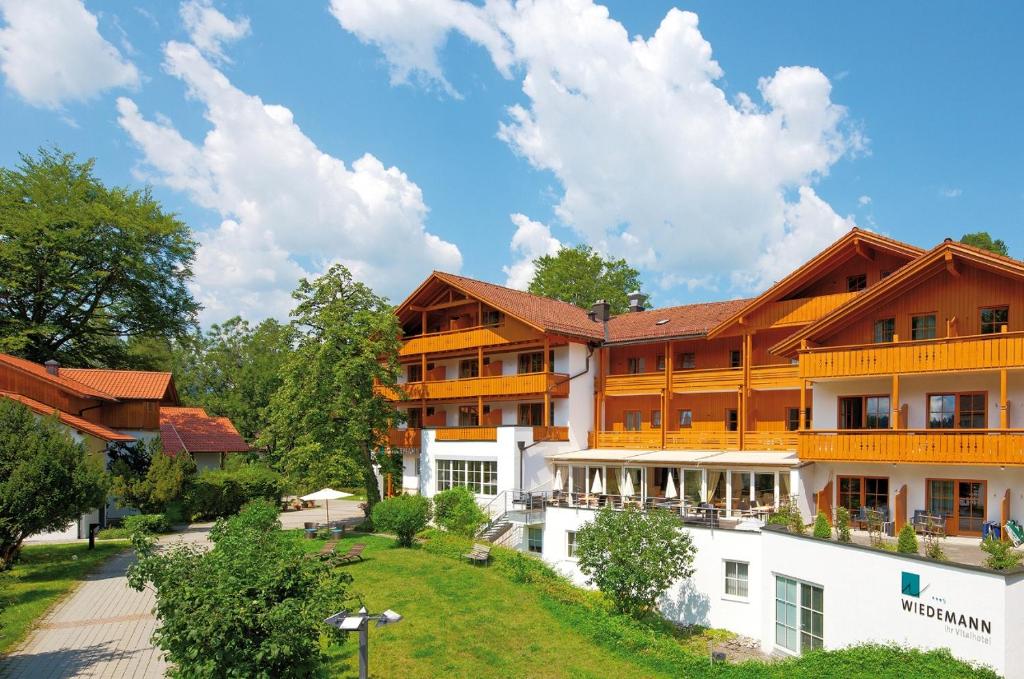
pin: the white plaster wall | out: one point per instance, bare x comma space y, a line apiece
504, 451
580, 404
206, 461
1014, 605
410, 480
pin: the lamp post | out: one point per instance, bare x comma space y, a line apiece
359, 621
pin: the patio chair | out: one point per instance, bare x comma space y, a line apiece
1015, 533
480, 554
354, 552
329, 547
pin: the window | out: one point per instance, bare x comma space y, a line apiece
731, 420
793, 600
535, 539
469, 367
922, 327
956, 411
877, 408
491, 317
685, 419
736, 579
414, 418
633, 420
480, 476
468, 416
570, 544
687, 360
994, 318
655, 419
531, 414
863, 491
532, 362
864, 412
885, 330
857, 282
792, 419
635, 365
660, 362
735, 358
414, 372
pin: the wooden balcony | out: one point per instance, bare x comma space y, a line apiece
404, 438
975, 352
784, 376
635, 385
694, 439
713, 379
551, 433
556, 384
466, 434
916, 445
770, 440
637, 440
699, 439
470, 338
766, 377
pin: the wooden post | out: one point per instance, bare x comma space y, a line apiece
547, 408
480, 361
1004, 407
480, 411
740, 402
423, 322
1004, 514
803, 406
824, 501
900, 509
666, 393
547, 354
423, 388
895, 423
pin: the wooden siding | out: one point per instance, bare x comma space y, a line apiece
132, 415
835, 280
979, 352
508, 332
467, 434
918, 446
48, 393
509, 385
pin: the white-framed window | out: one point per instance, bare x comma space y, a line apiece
799, 615
480, 476
535, 539
570, 543
736, 579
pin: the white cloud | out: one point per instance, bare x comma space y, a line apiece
287, 208
947, 192
209, 29
864, 200
51, 52
655, 162
530, 241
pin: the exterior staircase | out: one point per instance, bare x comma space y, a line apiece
495, 529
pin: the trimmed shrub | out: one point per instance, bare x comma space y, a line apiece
404, 516
821, 528
1001, 555
456, 511
218, 493
843, 524
907, 542
150, 523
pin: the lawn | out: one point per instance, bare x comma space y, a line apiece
42, 575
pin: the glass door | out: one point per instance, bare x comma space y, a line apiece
970, 507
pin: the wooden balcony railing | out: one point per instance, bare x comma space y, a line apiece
626, 439
770, 440
975, 352
635, 385
551, 433
924, 446
469, 338
712, 379
556, 384
700, 439
694, 439
466, 434
785, 376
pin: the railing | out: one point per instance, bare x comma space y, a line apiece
634, 384
466, 434
551, 433
513, 500
712, 379
700, 439
531, 383
404, 438
467, 338
694, 439
626, 439
974, 352
697, 514
785, 376
770, 440
917, 445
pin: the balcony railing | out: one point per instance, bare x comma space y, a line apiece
770, 440
466, 434
468, 338
551, 433
557, 384
694, 439
635, 384
709, 380
700, 439
404, 438
983, 446
712, 379
975, 352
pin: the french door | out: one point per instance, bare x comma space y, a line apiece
962, 502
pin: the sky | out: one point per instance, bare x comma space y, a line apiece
714, 145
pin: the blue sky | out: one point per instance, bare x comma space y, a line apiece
910, 127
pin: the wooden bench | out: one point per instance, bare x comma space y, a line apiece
354, 552
480, 554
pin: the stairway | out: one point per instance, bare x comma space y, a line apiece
495, 529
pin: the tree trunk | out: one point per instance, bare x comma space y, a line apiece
370, 479
8, 553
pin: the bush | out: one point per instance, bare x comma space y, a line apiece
843, 524
789, 515
252, 606
150, 523
218, 493
404, 516
907, 542
821, 528
933, 547
456, 511
1001, 555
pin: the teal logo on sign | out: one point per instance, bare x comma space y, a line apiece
910, 584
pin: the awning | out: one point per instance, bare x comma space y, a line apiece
738, 458
702, 458
673, 457
599, 455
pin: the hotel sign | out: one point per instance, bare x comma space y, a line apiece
956, 623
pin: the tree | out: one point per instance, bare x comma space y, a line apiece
404, 515
253, 606
84, 266
234, 369
634, 556
906, 543
144, 478
456, 511
821, 527
843, 524
582, 276
1001, 554
983, 240
47, 480
347, 344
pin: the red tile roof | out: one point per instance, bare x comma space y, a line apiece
550, 315
72, 421
677, 321
74, 386
126, 384
192, 430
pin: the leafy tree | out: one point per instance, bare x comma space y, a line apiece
843, 524
982, 239
348, 342
581, 276
234, 369
1001, 554
404, 515
253, 606
215, 493
456, 511
634, 556
821, 527
84, 266
144, 478
906, 543
47, 480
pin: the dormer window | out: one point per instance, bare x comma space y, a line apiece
856, 282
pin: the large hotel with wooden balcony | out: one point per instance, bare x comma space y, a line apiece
876, 376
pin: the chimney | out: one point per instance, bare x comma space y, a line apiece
637, 300
52, 367
601, 311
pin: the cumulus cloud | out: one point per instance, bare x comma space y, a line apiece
864, 200
51, 52
288, 209
530, 241
656, 163
209, 30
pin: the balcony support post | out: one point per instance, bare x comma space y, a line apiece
666, 393
547, 389
803, 406
895, 423
740, 419
1004, 407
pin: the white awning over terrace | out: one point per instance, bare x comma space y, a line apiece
680, 457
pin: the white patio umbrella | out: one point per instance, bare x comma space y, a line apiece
558, 479
597, 488
627, 485
326, 494
670, 486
